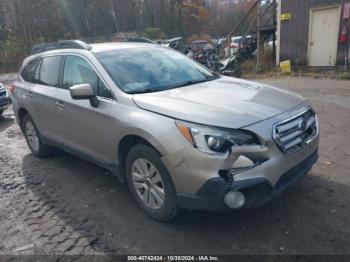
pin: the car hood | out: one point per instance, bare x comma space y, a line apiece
225, 102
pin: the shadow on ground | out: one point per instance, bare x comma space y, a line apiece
310, 218
6, 120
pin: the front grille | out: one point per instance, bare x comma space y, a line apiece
294, 133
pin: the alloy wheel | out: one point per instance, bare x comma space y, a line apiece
148, 183
32, 136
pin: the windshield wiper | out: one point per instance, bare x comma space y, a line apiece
158, 89
192, 82
141, 91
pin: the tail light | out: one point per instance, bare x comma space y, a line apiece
12, 88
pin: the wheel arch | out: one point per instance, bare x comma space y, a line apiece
21, 113
129, 141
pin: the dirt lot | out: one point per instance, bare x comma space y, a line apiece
67, 205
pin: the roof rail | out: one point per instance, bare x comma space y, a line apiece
135, 39
174, 39
63, 44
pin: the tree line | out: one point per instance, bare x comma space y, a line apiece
54, 19
24, 22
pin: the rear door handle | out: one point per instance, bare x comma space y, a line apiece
60, 104
29, 93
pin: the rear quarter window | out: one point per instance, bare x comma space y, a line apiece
28, 71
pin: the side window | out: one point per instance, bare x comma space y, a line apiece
103, 91
78, 71
49, 70
29, 71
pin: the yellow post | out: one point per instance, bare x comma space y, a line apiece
286, 67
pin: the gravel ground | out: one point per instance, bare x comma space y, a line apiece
65, 205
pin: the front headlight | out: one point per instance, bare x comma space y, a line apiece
213, 140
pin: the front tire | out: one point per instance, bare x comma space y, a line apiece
150, 183
31, 133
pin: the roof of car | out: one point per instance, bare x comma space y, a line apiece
102, 47
60, 46
42, 49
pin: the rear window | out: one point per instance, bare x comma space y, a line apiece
49, 70
29, 70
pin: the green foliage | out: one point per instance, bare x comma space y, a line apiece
12, 52
154, 33
11, 45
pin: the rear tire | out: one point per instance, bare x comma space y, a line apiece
150, 183
34, 141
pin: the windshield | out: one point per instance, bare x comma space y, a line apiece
152, 69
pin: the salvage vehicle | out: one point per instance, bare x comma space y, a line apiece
5, 99
200, 46
178, 134
176, 43
238, 41
224, 66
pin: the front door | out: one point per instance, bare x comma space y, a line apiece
323, 42
80, 126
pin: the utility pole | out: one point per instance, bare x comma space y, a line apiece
258, 37
115, 20
274, 22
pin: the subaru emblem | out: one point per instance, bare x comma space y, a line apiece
302, 124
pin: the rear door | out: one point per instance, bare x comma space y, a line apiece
81, 126
23, 95
40, 92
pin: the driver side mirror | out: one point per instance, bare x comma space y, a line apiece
83, 92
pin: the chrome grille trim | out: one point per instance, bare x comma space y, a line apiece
294, 133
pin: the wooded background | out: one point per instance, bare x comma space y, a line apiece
26, 22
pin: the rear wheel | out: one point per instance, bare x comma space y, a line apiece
150, 183
32, 136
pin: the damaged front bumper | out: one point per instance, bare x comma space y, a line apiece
257, 191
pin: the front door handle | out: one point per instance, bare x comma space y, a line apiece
60, 104
29, 93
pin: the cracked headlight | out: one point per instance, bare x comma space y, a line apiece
213, 140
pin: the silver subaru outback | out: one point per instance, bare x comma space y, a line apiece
178, 134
